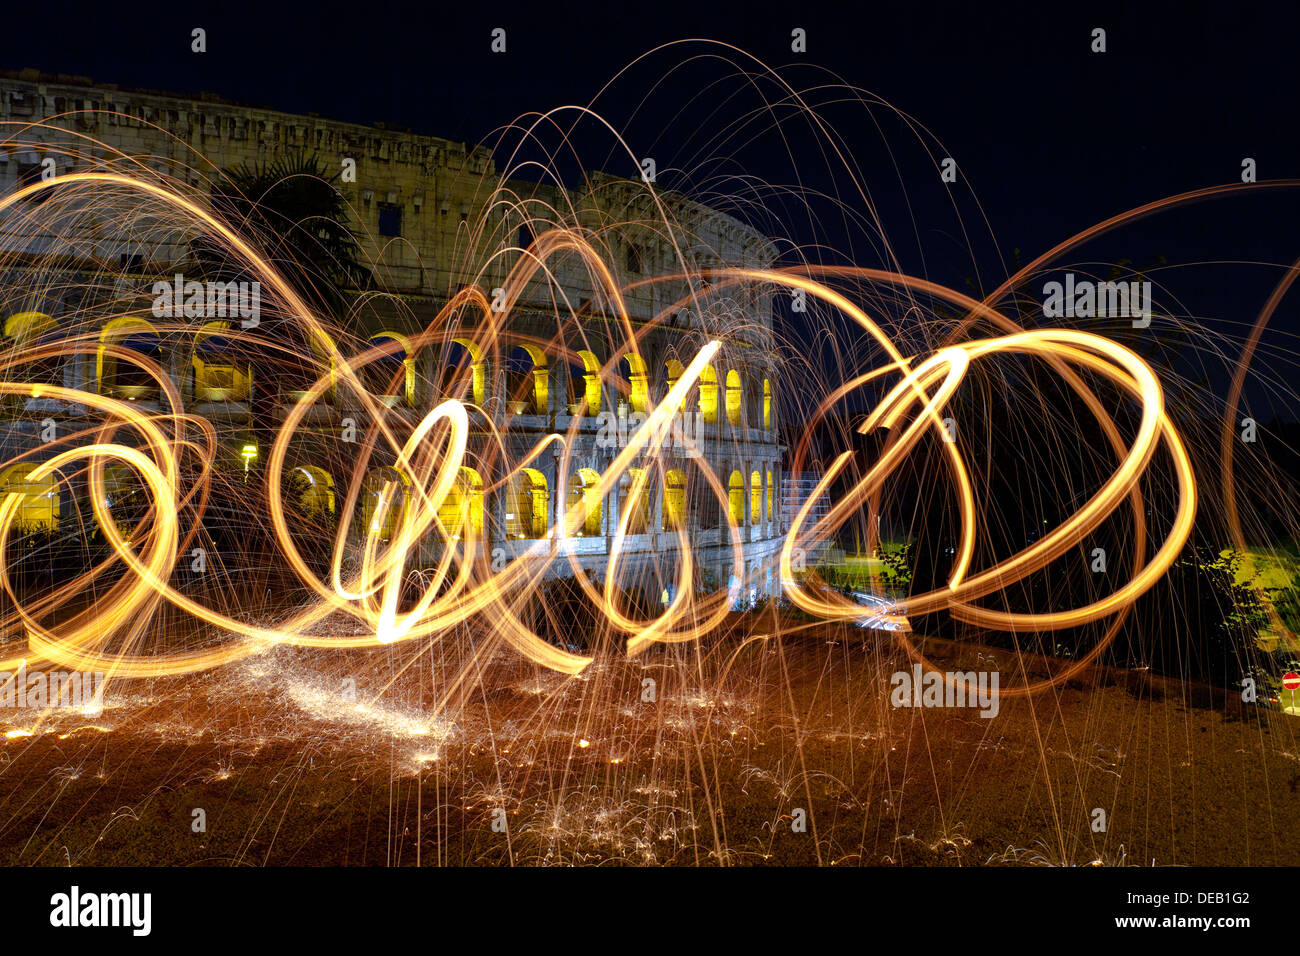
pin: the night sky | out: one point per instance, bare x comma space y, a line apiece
1049, 137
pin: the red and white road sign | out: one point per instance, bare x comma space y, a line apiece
1291, 680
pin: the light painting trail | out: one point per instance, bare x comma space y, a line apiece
460, 586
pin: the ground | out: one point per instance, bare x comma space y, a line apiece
739, 737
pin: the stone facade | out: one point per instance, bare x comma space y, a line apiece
434, 217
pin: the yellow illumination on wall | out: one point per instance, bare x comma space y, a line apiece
675, 370
530, 496
315, 490
541, 380
591, 381
639, 383
736, 498
408, 365
639, 521
107, 366
469, 485
674, 499
709, 395
218, 379
384, 488
735, 398
39, 508
584, 496
478, 371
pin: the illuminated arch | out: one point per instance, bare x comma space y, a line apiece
39, 508
468, 486
391, 376
528, 502
535, 400
325, 349
295, 378
314, 489
25, 329
584, 497
639, 520
771, 493
735, 398
590, 384
638, 382
125, 496
755, 497
709, 395
477, 380
124, 379
218, 376
388, 487
674, 499
675, 370
767, 403
736, 499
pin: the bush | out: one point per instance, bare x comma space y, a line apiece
1197, 623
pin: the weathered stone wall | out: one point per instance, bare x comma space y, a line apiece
456, 215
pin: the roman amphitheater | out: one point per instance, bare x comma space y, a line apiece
433, 218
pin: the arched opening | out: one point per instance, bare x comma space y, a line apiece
121, 377
27, 329
735, 398
755, 497
383, 500
527, 380
391, 377
771, 494
736, 499
767, 403
583, 496
312, 355
709, 395
466, 492
638, 383
638, 521
527, 504
220, 373
675, 370
464, 373
674, 499
585, 385
125, 496
39, 508
313, 490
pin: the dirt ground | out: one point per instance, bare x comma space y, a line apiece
758, 750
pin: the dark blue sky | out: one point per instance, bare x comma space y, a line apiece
1049, 137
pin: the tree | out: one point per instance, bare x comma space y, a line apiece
1197, 623
291, 210
294, 208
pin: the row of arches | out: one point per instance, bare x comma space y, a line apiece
40, 499
385, 491
223, 371
713, 397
